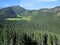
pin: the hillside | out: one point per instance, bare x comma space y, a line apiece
13, 11
19, 26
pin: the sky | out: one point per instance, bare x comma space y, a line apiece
30, 4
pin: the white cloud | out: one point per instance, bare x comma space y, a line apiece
34, 4
30, 3
27, 4
47, 0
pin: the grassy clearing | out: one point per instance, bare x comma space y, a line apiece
25, 18
13, 19
22, 18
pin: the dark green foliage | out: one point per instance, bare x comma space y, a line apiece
51, 40
40, 30
45, 39
28, 41
17, 36
1, 26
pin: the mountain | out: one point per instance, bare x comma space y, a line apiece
11, 11
29, 27
7, 12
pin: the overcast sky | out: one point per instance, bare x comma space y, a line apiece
30, 4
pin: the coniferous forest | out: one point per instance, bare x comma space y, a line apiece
19, 26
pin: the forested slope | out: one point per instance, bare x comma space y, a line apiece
43, 28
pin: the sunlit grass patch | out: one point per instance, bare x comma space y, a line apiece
21, 18
25, 18
13, 19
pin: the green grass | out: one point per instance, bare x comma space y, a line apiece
25, 18
13, 19
22, 18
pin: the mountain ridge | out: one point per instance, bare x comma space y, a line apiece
13, 11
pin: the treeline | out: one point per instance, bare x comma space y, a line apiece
25, 33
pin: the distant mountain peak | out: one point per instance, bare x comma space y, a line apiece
12, 11
57, 7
